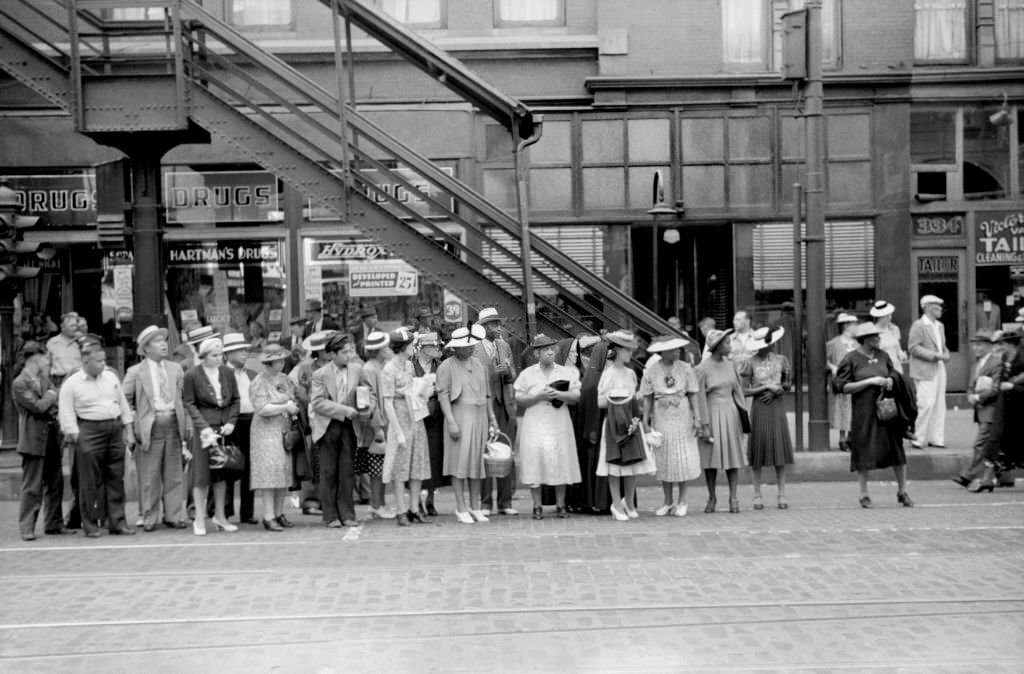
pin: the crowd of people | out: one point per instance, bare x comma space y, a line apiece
342, 418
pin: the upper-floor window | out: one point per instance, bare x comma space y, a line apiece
261, 13
529, 13
1009, 29
752, 32
940, 30
137, 14
416, 13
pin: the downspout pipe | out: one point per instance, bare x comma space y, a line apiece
522, 170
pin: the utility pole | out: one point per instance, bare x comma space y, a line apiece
814, 122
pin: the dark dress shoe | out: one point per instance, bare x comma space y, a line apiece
122, 531
402, 519
250, 520
333, 524
538, 513
711, 505
960, 480
284, 522
865, 501
28, 537
431, 510
904, 499
1007, 483
415, 517
977, 485
174, 525
272, 525
63, 531
561, 513
350, 523
312, 510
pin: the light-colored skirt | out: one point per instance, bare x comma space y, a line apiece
727, 449
464, 458
547, 447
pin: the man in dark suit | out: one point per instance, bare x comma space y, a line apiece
42, 482
367, 324
983, 394
316, 320
236, 353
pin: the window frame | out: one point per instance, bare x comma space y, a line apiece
1001, 60
229, 14
440, 24
499, 22
768, 33
969, 41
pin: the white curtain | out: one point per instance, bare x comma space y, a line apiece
414, 11
529, 10
829, 34
743, 31
261, 12
940, 32
1009, 29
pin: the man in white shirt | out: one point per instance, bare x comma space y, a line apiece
97, 421
153, 389
928, 357
236, 352
741, 339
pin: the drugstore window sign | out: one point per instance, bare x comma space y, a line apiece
225, 252
220, 196
60, 200
414, 199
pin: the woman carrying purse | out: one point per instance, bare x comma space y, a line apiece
274, 409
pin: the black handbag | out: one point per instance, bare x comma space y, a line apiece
226, 456
294, 435
744, 417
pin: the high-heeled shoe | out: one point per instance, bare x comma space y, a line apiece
758, 503
561, 513
415, 517
478, 516
464, 517
977, 486
865, 501
711, 505
272, 525
904, 499
431, 510
224, 525
631, 512
734, 505
199, 527
402, 520
783, 504
284, 521
618, 515
538, 513
680, 510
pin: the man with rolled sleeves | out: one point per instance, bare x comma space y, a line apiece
153, 390
97, 421
928, 357
64, 350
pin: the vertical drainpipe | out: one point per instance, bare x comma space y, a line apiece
522, 170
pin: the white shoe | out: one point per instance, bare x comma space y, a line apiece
479, 515
225, 525
618, 515
509, 511
630, 512
680, 510
199, 528
382, 513
485, 511
464, 517
664, 510
139, 523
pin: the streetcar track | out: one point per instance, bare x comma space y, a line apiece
512, 611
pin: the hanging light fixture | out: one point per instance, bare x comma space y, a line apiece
1002, 116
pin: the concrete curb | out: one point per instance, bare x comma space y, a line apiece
933, 464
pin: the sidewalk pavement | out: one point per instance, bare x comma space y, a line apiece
823, 465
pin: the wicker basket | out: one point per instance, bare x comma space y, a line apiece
498, 458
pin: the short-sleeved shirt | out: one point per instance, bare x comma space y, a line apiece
99, 398
65, 355
681, 379
533, 379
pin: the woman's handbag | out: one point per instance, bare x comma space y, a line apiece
226, 456
744, 418
293, 436
885, 408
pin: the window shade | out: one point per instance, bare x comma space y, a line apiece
585, 245
849, 256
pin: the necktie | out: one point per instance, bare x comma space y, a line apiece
165, 388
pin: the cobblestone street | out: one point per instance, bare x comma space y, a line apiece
825, 585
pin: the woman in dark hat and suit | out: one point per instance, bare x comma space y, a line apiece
591, 495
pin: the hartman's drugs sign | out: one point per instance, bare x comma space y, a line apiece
382, 279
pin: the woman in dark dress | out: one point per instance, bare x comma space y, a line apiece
424, 364
210, 396
1012, 386
591, 494
867, 374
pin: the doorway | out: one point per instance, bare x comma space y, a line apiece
693, 266
941, 272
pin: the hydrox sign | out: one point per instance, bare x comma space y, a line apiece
220, 196
999, 239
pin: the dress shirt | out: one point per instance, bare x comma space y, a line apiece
65, 356
940, 339
163, 400
340, 376
242, 379
739, 343
93, 398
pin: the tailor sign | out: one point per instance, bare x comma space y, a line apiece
999, 239
220, 196
60, 200
414, 199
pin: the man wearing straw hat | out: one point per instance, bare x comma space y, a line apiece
928, 357
153, 390
496, 356
236, 353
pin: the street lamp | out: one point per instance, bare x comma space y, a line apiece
661, 207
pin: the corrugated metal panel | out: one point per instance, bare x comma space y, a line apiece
583, 244
849, 255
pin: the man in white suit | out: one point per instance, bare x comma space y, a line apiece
928, 357
153, 390
333, 399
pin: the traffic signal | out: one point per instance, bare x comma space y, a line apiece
12, 247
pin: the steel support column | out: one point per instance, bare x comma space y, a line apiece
148, 239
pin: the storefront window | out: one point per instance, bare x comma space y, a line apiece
999, 267
234, 286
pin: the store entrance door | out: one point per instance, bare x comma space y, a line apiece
694, 272
941, 272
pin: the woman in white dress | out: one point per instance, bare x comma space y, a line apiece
547, 441
616, 392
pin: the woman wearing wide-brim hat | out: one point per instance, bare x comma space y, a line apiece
867, 374
767, 376
274, 409
722, 448
546, 439
835, 350
616, 392
672, 406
